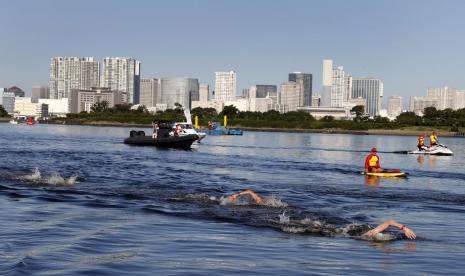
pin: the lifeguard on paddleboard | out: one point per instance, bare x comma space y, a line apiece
373, 168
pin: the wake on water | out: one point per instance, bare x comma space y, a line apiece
54, 179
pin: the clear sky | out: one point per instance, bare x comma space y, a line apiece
410, 45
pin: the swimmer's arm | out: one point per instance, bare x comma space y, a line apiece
252, 194
383, 226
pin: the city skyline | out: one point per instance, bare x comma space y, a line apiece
404, 47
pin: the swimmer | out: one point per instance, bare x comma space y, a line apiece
370, 234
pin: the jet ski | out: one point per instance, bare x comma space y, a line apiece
438, 149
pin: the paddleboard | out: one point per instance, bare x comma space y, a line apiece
386, 173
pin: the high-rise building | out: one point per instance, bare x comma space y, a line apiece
348, 90
149, 92
460, 101
338, 88
178, 90
225, 86
394, 107
122, 74
305, 80
370, 89
68, 73
327, 82
264, 90
418, 104
204, 93
445, 95
290, 95
40, 92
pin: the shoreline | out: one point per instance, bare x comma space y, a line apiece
395, 132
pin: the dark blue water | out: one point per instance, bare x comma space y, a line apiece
75, 200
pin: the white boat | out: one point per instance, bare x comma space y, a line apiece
439, 149
187, 129
14, 122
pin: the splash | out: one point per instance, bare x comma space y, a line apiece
35, 176
57, 179
293, 229
283, 219
273, 201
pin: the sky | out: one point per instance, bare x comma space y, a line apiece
410, 45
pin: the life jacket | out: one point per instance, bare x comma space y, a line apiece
373, 161
433, 139
421, 141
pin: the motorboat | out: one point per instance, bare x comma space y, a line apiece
438, 149
164, 138
188, 129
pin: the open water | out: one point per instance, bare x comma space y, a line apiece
75, 200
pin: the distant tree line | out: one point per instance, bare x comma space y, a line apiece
446, 119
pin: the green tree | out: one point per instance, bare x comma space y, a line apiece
359, 110
208, 112
99, 107
3, 112
178, 108
230, 110
408, 118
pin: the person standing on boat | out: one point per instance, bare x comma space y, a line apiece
155, 130
372, 162
421, 143
433, 139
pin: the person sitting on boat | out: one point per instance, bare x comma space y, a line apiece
367, 235
372, 162
421, 143
433, 139
210, 125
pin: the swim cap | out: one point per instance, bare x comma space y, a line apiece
373, 150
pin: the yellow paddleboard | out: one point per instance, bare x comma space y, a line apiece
385, 174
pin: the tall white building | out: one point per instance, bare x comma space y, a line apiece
327, 82
460, 99
225, 86
290, 95
372, 90
394, 106
68, 73
338, 88
122, 74
418, 104
336, 85
149, 92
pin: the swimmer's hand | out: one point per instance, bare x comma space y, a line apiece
409, 233
380, 228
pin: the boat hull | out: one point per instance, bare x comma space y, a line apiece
435, 150
182, 142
